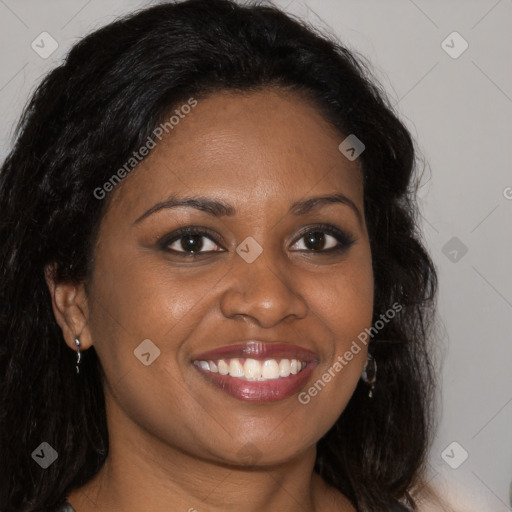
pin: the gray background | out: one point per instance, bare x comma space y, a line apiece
460, 112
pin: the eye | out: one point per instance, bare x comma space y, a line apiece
189, 241
315, 239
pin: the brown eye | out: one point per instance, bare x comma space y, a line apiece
325, 238
190, 241
316, 240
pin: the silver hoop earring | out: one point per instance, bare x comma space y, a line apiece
369, 374
78, 355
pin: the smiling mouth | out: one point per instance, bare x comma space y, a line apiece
253, 369
256, 371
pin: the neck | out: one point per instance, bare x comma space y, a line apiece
144, 473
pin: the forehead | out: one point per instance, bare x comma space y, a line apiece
259, 148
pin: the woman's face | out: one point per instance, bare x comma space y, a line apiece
259, 153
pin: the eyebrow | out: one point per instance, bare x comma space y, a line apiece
221, 209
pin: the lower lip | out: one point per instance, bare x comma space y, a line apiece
259, 391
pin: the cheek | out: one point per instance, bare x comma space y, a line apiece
343, 303
344, 298
135, 299
134, 303
144, 297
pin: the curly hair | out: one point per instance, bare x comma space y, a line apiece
84, 120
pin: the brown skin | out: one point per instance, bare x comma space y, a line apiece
174, 438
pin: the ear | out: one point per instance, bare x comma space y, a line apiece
71, 309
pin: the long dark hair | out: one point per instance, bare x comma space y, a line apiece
83, 122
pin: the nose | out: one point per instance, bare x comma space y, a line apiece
263, 291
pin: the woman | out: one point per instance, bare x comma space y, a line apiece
213, 292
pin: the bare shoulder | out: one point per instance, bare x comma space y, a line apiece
335, 501
448, 496
430, 498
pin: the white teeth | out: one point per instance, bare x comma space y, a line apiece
223, 367
284, 368
204, 365
270, 369
252, 369
235, 368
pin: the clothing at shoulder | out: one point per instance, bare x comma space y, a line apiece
65, 507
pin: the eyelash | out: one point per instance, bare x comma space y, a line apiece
345, 241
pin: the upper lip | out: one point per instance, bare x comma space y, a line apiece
255, 349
